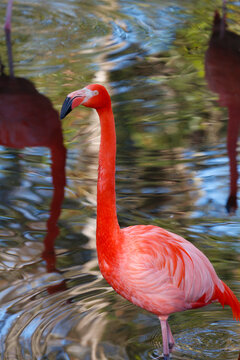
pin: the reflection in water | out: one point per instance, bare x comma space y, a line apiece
223, 75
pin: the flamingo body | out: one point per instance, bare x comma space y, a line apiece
27, 118
162, 272
149, 266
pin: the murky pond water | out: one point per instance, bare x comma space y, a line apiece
173, 170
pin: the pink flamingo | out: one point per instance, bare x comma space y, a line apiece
149, 266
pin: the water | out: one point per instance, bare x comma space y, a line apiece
172, 171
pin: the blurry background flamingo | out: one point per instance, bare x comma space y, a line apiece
222, 66
28, 119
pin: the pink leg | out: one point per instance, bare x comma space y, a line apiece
165, 338
171, 341
7, 28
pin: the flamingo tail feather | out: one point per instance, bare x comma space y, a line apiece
228, 298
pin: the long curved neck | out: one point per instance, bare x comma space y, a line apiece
107, 223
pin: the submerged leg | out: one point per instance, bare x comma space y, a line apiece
7, 28
171, 341
164, 327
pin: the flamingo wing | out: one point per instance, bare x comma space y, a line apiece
164, 273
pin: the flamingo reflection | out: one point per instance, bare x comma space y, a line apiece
222, 66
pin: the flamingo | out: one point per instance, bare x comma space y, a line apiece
222, 69
37, 124
148, 265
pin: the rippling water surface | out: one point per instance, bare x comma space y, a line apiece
172, 171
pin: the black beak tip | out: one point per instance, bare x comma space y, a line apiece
66, 108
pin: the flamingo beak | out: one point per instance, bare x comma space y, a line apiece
78, 97
66, 107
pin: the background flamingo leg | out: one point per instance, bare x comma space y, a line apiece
7, 28
223, 20
164, 328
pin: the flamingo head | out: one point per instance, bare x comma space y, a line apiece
93, 96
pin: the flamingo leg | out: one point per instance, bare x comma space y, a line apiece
7, 28
171, 341
164, 328
223, 21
